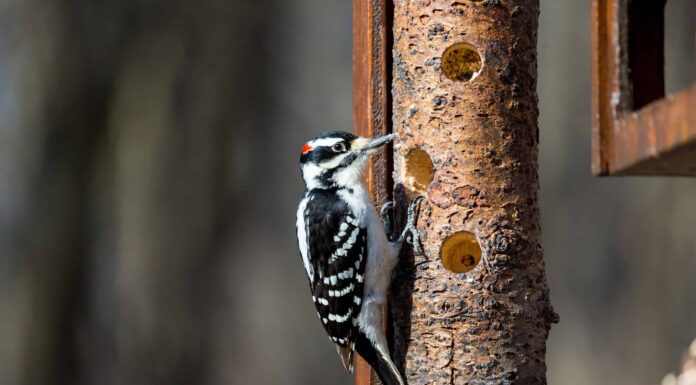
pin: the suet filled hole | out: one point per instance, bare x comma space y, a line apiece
461, 62
419, 169
460, 252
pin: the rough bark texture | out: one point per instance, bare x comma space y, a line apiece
488, 326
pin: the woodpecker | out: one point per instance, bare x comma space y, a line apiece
346, 249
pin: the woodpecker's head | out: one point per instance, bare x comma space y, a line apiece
337, 159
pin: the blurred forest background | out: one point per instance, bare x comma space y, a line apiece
148, 183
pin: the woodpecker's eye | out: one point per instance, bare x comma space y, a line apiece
339, 147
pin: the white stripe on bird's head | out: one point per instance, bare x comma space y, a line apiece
323, 142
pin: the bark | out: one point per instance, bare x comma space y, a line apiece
488, 326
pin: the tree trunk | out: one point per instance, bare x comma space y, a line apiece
465, 105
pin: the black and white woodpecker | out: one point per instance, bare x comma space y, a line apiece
345, 249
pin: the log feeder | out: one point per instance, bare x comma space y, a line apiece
465, 105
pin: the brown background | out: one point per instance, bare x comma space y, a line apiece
148, 183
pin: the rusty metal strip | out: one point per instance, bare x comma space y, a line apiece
603, 72
657, 139
371, 84
371, 108
611, 92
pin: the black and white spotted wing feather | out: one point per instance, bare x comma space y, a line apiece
337, 252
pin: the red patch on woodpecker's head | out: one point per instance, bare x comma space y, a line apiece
306, 148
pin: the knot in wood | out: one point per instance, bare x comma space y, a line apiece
501, 243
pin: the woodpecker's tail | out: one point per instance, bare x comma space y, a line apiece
346, 355
379, 360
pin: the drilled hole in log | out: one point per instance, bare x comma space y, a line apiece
461, 62
460, 252
419, 169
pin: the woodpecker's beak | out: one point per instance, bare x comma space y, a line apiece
367, 144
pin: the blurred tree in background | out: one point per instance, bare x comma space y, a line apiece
148, 183
121, 127
129, 130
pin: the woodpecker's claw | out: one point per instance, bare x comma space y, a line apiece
386, 214
411, 234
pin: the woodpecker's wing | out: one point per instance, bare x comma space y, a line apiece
337, 249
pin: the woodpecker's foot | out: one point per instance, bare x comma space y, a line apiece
411, 234
386, 213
